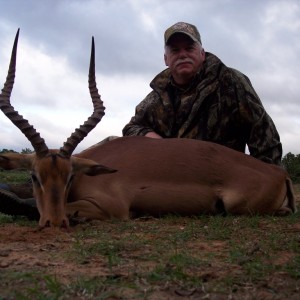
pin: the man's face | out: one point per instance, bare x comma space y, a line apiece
184, 57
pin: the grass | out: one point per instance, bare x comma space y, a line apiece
181, 255
169, 258
18, 220
176, 259
14, 176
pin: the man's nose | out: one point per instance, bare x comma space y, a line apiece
182, 53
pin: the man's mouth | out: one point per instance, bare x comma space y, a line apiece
183, 62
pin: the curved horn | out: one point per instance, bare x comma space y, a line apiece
28, 130
81, 132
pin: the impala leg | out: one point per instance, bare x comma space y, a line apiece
284, 210
11, 204
89, 209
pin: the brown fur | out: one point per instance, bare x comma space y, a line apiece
179, 176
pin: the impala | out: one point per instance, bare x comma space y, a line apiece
142, 175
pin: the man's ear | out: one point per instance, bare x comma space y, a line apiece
165, 58
203, 53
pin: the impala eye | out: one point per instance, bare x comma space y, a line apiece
70, 180
34, 179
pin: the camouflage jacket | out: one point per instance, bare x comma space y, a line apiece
220, 106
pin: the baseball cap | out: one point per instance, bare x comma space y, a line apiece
185, 28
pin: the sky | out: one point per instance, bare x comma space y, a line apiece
260, 38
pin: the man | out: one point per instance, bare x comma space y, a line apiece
199, 97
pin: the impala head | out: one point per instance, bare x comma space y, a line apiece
52, 171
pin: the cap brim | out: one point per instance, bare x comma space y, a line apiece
183, 32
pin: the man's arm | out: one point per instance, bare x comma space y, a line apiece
142, 122
263, 138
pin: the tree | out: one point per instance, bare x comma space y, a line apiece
291, 163
6, 150
26, 151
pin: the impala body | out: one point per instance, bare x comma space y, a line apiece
133, 176
182, 176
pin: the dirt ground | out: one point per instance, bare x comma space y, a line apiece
25, 248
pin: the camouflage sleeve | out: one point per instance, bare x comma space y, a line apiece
141, 123
263, 139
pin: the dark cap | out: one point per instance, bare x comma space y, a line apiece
185, 28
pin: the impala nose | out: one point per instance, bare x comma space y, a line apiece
61, 223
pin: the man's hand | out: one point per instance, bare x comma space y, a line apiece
153, 135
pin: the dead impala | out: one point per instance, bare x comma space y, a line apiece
143, 175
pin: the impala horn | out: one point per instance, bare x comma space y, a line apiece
28, 130
80, 133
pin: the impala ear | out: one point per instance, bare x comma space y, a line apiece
90, 167
98, 169
10, 161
